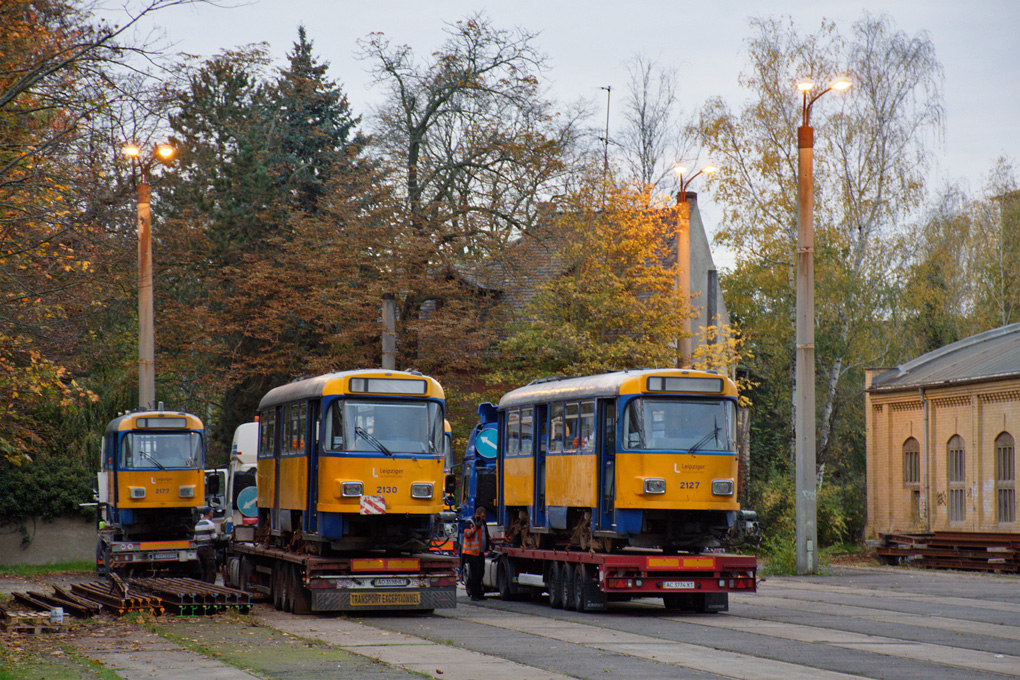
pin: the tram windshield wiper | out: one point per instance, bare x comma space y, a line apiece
361, 432
704, 440
158, 464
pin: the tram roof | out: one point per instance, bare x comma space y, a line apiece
339, 383
608, 385
149, 420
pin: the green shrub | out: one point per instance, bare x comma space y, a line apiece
46, 488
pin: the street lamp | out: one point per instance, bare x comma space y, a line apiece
164, 153
806, 514
683, 260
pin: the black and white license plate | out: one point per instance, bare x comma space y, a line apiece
390, 582
678, 585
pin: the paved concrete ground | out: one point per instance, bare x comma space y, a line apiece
883, 623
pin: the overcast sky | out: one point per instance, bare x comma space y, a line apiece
590, 43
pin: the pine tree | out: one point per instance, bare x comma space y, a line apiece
316, 126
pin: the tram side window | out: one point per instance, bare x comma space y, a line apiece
267, 429
296, 432
527, 431
513, 432
587, 433
570, 428
556, 425
633, 426
334, 438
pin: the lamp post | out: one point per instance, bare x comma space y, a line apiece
683, 260
804, 421
146, 343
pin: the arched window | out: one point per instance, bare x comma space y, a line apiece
956, 474
1005, 478
911, 463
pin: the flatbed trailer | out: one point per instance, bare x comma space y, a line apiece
170, 557
587, 581
304, 583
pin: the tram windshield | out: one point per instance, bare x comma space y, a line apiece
385, 426
162, 450
687, 425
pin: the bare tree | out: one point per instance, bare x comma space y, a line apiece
649, 116
470, 141
871, 154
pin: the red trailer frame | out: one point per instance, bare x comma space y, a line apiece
586, 581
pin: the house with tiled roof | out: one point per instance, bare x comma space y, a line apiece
941, 438
540, 255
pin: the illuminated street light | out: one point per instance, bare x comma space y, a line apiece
806, 515
683, 260
164, 153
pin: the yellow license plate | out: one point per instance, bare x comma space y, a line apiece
385, 599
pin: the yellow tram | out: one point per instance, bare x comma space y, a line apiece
352, 460
645, 458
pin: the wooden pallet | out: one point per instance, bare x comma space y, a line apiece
29, 623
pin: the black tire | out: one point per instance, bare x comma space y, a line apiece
555, 587
569, 595
585, 589
245, 572
277, 586
466, 573
506, 590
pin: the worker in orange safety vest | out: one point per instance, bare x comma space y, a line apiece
476, 543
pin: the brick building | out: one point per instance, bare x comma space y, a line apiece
941, 438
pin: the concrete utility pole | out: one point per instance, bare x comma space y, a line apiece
389, 334
146, 334
806, 515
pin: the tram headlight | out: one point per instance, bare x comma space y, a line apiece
655, 485
186, 491
137, 492
421, 490
722, 487
351, 489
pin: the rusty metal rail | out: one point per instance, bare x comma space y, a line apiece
182, 596
117, 600
992, 552
190, 597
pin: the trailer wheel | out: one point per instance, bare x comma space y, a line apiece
569, 595
244, 579
466, 573
277, 585
503, 569
580, 594
555, 586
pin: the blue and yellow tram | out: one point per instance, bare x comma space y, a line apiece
645, 458
352, 460
150, 489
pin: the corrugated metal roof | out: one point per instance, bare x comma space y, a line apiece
992, 354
